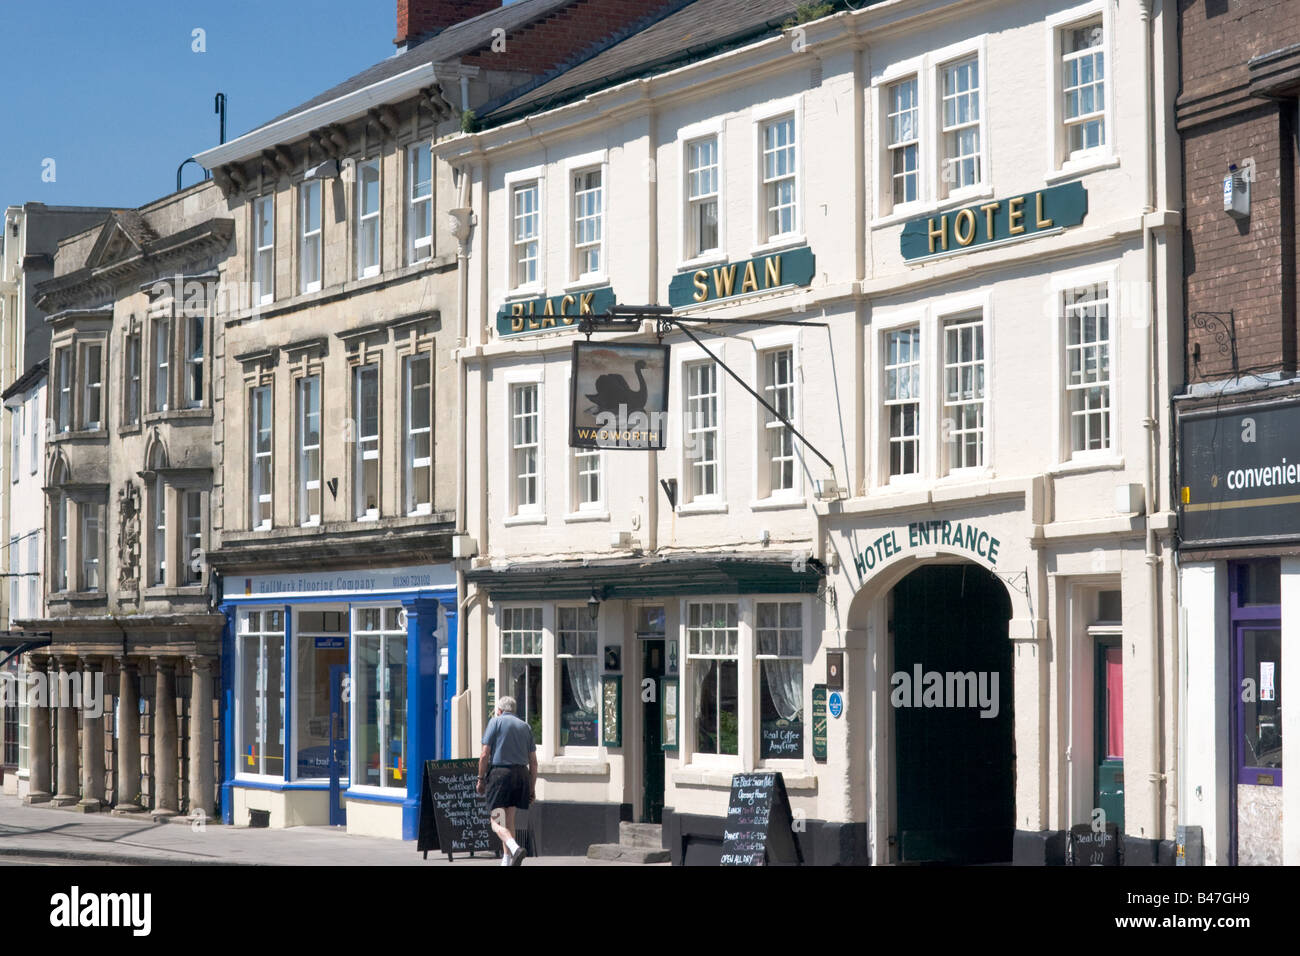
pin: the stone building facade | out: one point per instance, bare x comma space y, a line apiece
129, 675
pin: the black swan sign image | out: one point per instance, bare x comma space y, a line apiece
620, 396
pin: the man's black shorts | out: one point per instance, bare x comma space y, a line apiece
507, 787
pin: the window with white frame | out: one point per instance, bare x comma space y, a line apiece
15, 441
702, 433
588, 223
162, 346
92, 382
419, 203
904, 141
588, 491
191, 551
309, 496
777, 441
34, 578
379, 699
521, 663
34, 428
526, 232
525, 446
260, 695
960, 122
963, 391
903, 399
24, 723
63, 389
310, 244
259, 453
780, 178
195, 330
417, 478
365, 469
702, 195
263, 249
778, 648
713, 649
1087, 382
368, 205
14, 578
131, 411
158, 532
91, 544
58, 525
1083, 86
575, 653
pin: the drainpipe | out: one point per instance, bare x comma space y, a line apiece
1152, 559
652, 290
460, 223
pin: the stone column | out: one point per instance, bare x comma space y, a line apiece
128, 740
92, 736
202, 774
61, 694
166, 763
38, 740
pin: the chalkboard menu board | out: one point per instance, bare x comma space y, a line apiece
760, 827
453, 817
1089, 847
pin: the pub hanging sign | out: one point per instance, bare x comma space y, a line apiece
995, 222
548, 314
619, 398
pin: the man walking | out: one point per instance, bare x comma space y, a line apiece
507, 775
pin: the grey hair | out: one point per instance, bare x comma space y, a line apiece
506, 705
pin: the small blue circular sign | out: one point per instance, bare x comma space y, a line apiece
835, 704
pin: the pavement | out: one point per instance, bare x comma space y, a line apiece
55, 836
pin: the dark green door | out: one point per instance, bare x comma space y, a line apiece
954, 749
652, 668
1108, 717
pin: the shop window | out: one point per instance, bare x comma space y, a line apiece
24, 725
419, 203
579, 679
310, 237
526, 241
261, 694
713, 647
588, 224
903, 400
777, 447
365, 404
9, 755
521, 663
1087, 384
525, 447
963, 391
309, 496
903, 135
263, 250
380, 697
780, 178
702, 444
1255, 605
703, 191
417, 476
321, 644
960, 124
778, 637
259, 453
368, 203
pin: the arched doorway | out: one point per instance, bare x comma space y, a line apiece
951, 696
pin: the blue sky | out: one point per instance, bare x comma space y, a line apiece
114, 94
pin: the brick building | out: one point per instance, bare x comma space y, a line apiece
1238, 421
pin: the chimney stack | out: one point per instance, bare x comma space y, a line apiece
420, 19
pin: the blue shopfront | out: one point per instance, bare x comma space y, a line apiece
336, 686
